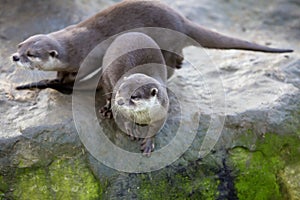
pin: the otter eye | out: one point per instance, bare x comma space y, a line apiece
135, 97
154, 92
29, 54
53, 53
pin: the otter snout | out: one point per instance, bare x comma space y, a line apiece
15, 57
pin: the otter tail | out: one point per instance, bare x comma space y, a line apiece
210, 39
53, 84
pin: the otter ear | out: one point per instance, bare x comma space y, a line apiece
154, 92
53, 53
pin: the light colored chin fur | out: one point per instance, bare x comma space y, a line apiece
144, 111
52, 64
26, 65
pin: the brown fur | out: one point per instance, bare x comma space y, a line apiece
130, 75
78, 40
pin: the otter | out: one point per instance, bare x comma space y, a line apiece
64, 50
134, 83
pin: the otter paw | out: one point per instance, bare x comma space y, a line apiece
130, 134
179, 61
147, 146
131, 131
106, 111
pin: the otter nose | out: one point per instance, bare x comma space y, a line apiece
16, 58
120, 102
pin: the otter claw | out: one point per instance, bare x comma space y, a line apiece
106, 113
131, 135
106, 110
147, 146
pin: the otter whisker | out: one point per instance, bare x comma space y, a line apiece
36, 76
117, 110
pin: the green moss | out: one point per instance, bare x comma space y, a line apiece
247, 139
179, 187
257, 177
286, 147
258, 170
209, 188
32, 185
73, 181
3, 188
63, 179
2, 195
3, 185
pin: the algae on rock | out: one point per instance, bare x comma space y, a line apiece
63, 179
196, 184
258, 170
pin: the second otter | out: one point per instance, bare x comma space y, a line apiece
133, 81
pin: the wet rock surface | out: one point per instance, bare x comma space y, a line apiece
39, 141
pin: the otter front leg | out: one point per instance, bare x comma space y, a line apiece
173, 60
147, 146
129, 130
56, 84
106, 109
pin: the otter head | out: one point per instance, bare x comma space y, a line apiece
141, 99
39, 52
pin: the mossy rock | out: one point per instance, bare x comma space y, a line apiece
258, 170
187, 185
290, 177
3, 185
3, 188
63, 179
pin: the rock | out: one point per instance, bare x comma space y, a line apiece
64, 178
259, 168
291, 73
42, 156
290, 177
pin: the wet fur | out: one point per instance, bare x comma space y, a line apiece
138, 68
78, 40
